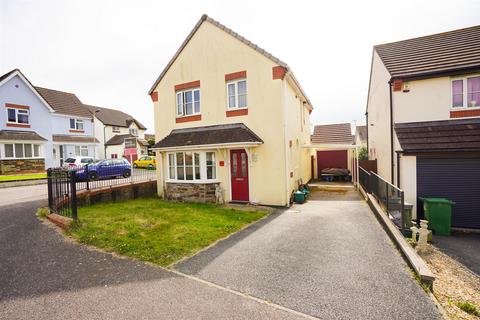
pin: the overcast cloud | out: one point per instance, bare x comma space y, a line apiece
110, 52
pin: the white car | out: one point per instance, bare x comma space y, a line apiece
77, 161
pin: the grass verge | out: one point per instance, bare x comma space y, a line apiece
18, 177
157, 231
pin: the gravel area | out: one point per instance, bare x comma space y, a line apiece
453, 283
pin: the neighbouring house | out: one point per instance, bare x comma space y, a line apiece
423, 119
333, 147
361, 136
230, 119
120, 134
40, 127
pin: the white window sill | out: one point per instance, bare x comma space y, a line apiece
189, 115
192, 181
235, 108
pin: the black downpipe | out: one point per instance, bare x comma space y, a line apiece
398, 170
391, 132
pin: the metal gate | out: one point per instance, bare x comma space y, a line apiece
62, 193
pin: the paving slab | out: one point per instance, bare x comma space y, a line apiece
328, 258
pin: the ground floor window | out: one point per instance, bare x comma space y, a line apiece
191, 166
22, 150
81, 151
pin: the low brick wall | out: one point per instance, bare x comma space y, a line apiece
191, 192
117, 193
15, 166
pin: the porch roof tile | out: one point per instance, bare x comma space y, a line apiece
20, 135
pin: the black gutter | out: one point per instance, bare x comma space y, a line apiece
391, 132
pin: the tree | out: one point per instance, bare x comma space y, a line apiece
363, 153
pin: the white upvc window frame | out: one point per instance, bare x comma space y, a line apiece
465, 106
202, 167
235, 83
23, 144
17, 111
133, 131
78, 124
180, 102
81, 149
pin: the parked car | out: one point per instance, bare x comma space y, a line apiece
105, 169
145, 162
77, 161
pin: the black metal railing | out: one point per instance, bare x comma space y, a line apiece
65, 183
62, 193
390, 198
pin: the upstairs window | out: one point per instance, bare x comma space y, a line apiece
237, 94
133, 131
188, 102
115, 129
76, 124
466, 92
20, 116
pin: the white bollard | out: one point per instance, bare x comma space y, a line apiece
423, 235
414, 230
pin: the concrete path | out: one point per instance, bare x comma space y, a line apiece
44, 276
328, 258
12, 195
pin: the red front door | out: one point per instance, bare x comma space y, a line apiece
239, 173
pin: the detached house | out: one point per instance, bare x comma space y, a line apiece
40, 127
229, 117
423, 119
119, 133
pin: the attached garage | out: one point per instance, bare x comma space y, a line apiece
457, 179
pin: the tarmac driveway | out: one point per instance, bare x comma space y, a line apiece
328, 258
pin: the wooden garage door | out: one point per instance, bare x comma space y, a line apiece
457, 179
331, 159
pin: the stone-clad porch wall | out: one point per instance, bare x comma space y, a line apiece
191, 192
15, 166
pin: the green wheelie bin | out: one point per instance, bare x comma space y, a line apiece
438, 212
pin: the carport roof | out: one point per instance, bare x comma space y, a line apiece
339, 133
439, 136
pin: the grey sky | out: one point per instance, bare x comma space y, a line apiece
110, 52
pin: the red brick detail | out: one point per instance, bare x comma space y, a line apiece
18, 125
188, 85
465, 113
236, 113
278, 72
397, 85
154, 96
236, 75
76, 131
197, 117
62, 222
16, 106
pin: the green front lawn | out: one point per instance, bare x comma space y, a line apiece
158, 231
30, 176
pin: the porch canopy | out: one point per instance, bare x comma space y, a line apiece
209, 137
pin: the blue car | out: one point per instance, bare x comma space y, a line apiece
104, 169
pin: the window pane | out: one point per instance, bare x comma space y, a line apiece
234, 165
244, 164
231, 95
28, 150
72, 123
188, 102
180, 104
189, 108
84, 151
189, 172
9, 151
242, 87
36, 150
188, 158
197, 159
211, 165
242, 101
180, 173
473, 85
77, 150
11, 116
22, 117
179, 159
171, 173
18, 150
196, 95
457, 87
210, 158
79, 124
473, 99
457, 100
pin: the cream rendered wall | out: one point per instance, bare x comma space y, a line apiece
379, 117
408, 180
209, 55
